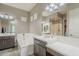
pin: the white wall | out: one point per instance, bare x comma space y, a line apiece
35, 26
73, 20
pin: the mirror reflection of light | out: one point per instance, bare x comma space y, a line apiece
1, 15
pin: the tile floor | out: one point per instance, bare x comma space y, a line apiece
10, 52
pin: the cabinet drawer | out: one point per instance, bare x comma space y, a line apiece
39, 42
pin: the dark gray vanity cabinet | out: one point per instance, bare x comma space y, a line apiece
39, 47
7, 42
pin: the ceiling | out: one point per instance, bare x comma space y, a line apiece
23, 6
62, 10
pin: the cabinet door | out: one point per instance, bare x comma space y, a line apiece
6, 43
1, 43
36, 49
42, 51
39, 50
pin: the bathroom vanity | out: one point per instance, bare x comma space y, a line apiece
40, 49
7, 41
61, 46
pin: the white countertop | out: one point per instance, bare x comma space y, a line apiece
7, 34
66, 45
64, 49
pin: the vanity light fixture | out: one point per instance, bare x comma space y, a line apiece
6, 16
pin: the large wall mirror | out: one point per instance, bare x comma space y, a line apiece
7, 25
